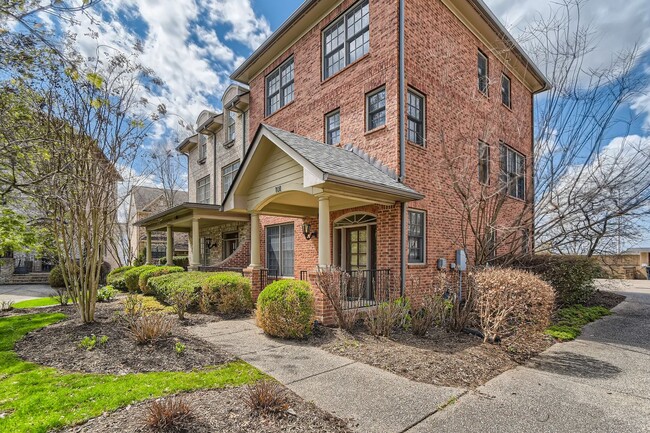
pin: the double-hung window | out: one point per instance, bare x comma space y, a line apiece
279, 249
228, 174
203, 190
347, 39
416, 236
203, 147
505, 91
279, 87
483, 78
333, 127
415, 110
230, 132
513, 172
376, 109
483, 163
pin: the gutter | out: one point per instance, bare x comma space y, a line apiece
402, 148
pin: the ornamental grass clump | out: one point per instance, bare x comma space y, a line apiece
286, 308
169, 415
267, 397
511, 301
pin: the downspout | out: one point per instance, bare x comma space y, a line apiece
214, 166
402, 148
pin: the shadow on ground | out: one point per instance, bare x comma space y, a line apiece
575, 365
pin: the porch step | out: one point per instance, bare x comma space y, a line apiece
33, 278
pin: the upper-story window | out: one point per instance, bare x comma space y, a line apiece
230, 130
483, 79
279, 87
333, 127
203, 190
483, 163
505, 91
415, 110
347, 39
228, 174
376, 109
203, 147
513, 172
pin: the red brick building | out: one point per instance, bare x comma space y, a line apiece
368, 121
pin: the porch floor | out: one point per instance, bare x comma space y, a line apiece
373, 400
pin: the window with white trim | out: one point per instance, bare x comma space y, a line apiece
483, 77
228, 174
279, 87
203, 190
280, 250
230, 131
416, 236
415, 110
347, 39
333, 127
203, 147
513, 172
483, 163
376, 109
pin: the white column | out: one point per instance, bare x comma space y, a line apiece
255, 241
170, 246
149, 252
324, 247
196, 247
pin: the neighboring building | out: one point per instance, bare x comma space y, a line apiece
144, 202
630, 264
316, 157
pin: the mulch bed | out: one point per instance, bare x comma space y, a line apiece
222, 411
58, 346
605, 299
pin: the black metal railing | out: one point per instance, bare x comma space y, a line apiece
267, 276
220, 269
366, 288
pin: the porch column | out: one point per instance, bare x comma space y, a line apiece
195, 262
255, 241
324, 248
170, 246
149, 252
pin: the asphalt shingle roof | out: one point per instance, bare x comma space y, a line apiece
341, 162
144, 195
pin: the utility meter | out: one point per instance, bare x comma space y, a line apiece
461, 260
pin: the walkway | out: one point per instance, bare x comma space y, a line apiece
598, 383
373, 400
17, 293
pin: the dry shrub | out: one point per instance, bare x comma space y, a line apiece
6, 305
206, 300
334, 284
510, 301
181, 299
267, 397
149, 328
434, 310
169, 415
381, 321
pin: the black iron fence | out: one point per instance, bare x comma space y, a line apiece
267, 276
366, 288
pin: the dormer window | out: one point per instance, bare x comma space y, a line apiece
230, 130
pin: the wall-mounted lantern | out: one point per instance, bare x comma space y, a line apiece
306, 231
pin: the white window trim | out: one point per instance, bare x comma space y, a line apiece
224, 191
424, 238
206, 186
505, 184
368, 96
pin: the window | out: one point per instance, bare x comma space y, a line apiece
279, 249
415, 118
505, 91
230, 244
513, 172
228, 174
204, 252
416, 236
347, 39
203, 147
230, 132
203, 190
333, 127
483, 163
376, 107
483, 73
279, 87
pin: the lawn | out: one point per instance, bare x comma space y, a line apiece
570, 320
38, 302
37, 399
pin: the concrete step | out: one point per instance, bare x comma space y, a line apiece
33, 278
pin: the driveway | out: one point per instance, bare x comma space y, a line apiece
597, 383
25, 292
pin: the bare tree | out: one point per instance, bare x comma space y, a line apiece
168, 169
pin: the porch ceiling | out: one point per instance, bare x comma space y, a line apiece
180, 217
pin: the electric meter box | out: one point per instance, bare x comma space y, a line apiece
461, 260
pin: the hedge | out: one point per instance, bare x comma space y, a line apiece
230, 291
286, 308
155, 272
163, 287
132, 276
182, 261
572, 277
116, 278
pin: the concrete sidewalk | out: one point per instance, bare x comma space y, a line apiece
598, 383
17, 293
373, 400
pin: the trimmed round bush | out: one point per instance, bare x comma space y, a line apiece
285, 309
155, 272
231, 292
116, 278
132, 277
56, 278
511, 301
164, 286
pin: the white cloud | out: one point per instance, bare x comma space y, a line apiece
247, 27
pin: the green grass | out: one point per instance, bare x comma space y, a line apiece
38, 302
570, 320
37, 399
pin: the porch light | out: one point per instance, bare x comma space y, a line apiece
208, 243
306, 230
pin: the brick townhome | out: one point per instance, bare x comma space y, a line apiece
328, 174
